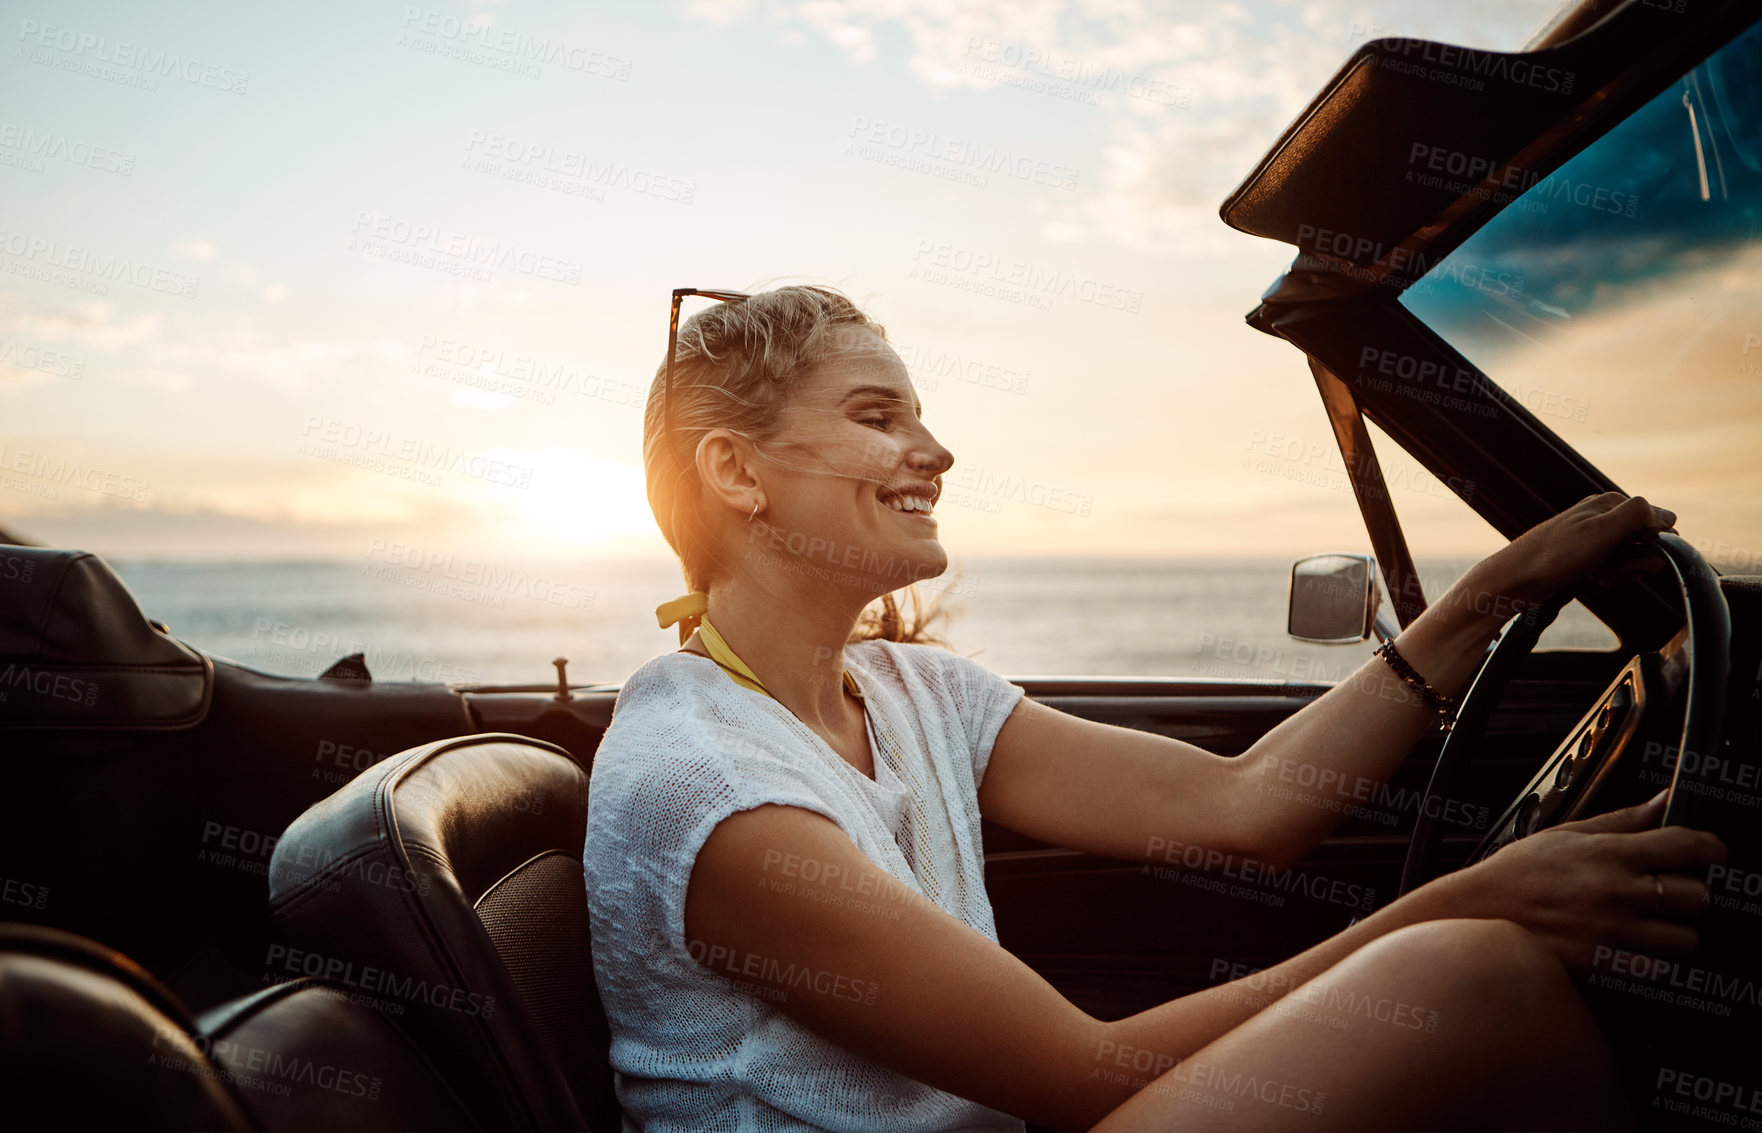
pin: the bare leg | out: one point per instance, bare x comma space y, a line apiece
1451, 1024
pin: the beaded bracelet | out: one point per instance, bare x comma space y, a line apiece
1431, 696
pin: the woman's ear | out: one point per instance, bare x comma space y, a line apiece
728, 468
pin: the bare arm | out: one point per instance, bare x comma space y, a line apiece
937, 1001
1126, 793
899, 981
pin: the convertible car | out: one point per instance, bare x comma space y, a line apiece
232, 901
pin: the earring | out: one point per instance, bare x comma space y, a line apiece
749, 518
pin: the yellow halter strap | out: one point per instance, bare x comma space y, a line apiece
692, 611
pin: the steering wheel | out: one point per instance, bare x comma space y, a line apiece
1563, 788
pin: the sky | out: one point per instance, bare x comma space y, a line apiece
280, 283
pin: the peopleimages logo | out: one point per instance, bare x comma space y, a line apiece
1503, 181
47, 255
379, 448
1087, 78
1378, 795
428, 245
295, 962
554, 167
1014, 280
35, 145
1198, 1082
16, 892
140, 66
477, 574
875, 139
1261, 882
28, 356
1360, 250
46, 683
792, 976
479, 41
1468, 68
250, 1067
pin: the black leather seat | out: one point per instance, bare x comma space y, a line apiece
144, 781
448, 879
89, 1040
315, 1054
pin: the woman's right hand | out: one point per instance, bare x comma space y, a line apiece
1615, 880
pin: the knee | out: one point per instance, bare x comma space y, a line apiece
1474, 959
1494, 980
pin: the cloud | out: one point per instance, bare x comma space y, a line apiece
193, 529
197, 250
856, 42
719, 12
1192, 96
165, 381
17, 379
144, 356
91, 324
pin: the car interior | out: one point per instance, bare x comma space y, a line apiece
352, 902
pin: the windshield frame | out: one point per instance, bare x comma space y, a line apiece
1449, 415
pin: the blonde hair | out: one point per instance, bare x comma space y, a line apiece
737, 366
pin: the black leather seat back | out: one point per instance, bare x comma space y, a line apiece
541, 933
448, 878
144, 781
321, 1057
88, 1040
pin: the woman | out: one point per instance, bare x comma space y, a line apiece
784, 866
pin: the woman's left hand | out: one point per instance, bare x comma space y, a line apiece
1591, 538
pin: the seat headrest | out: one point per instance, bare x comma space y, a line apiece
77, 652
378, 885
472, 807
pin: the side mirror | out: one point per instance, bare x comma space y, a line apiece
1334, 601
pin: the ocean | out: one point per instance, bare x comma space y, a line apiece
475, 623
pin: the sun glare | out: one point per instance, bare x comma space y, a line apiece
575, 505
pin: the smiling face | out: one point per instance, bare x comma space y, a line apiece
852, 473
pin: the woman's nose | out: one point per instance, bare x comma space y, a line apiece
932, 457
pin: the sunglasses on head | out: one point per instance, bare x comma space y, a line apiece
680, 293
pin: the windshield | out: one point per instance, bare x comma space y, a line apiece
1620, 299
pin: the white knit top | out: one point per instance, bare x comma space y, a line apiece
698, 1047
